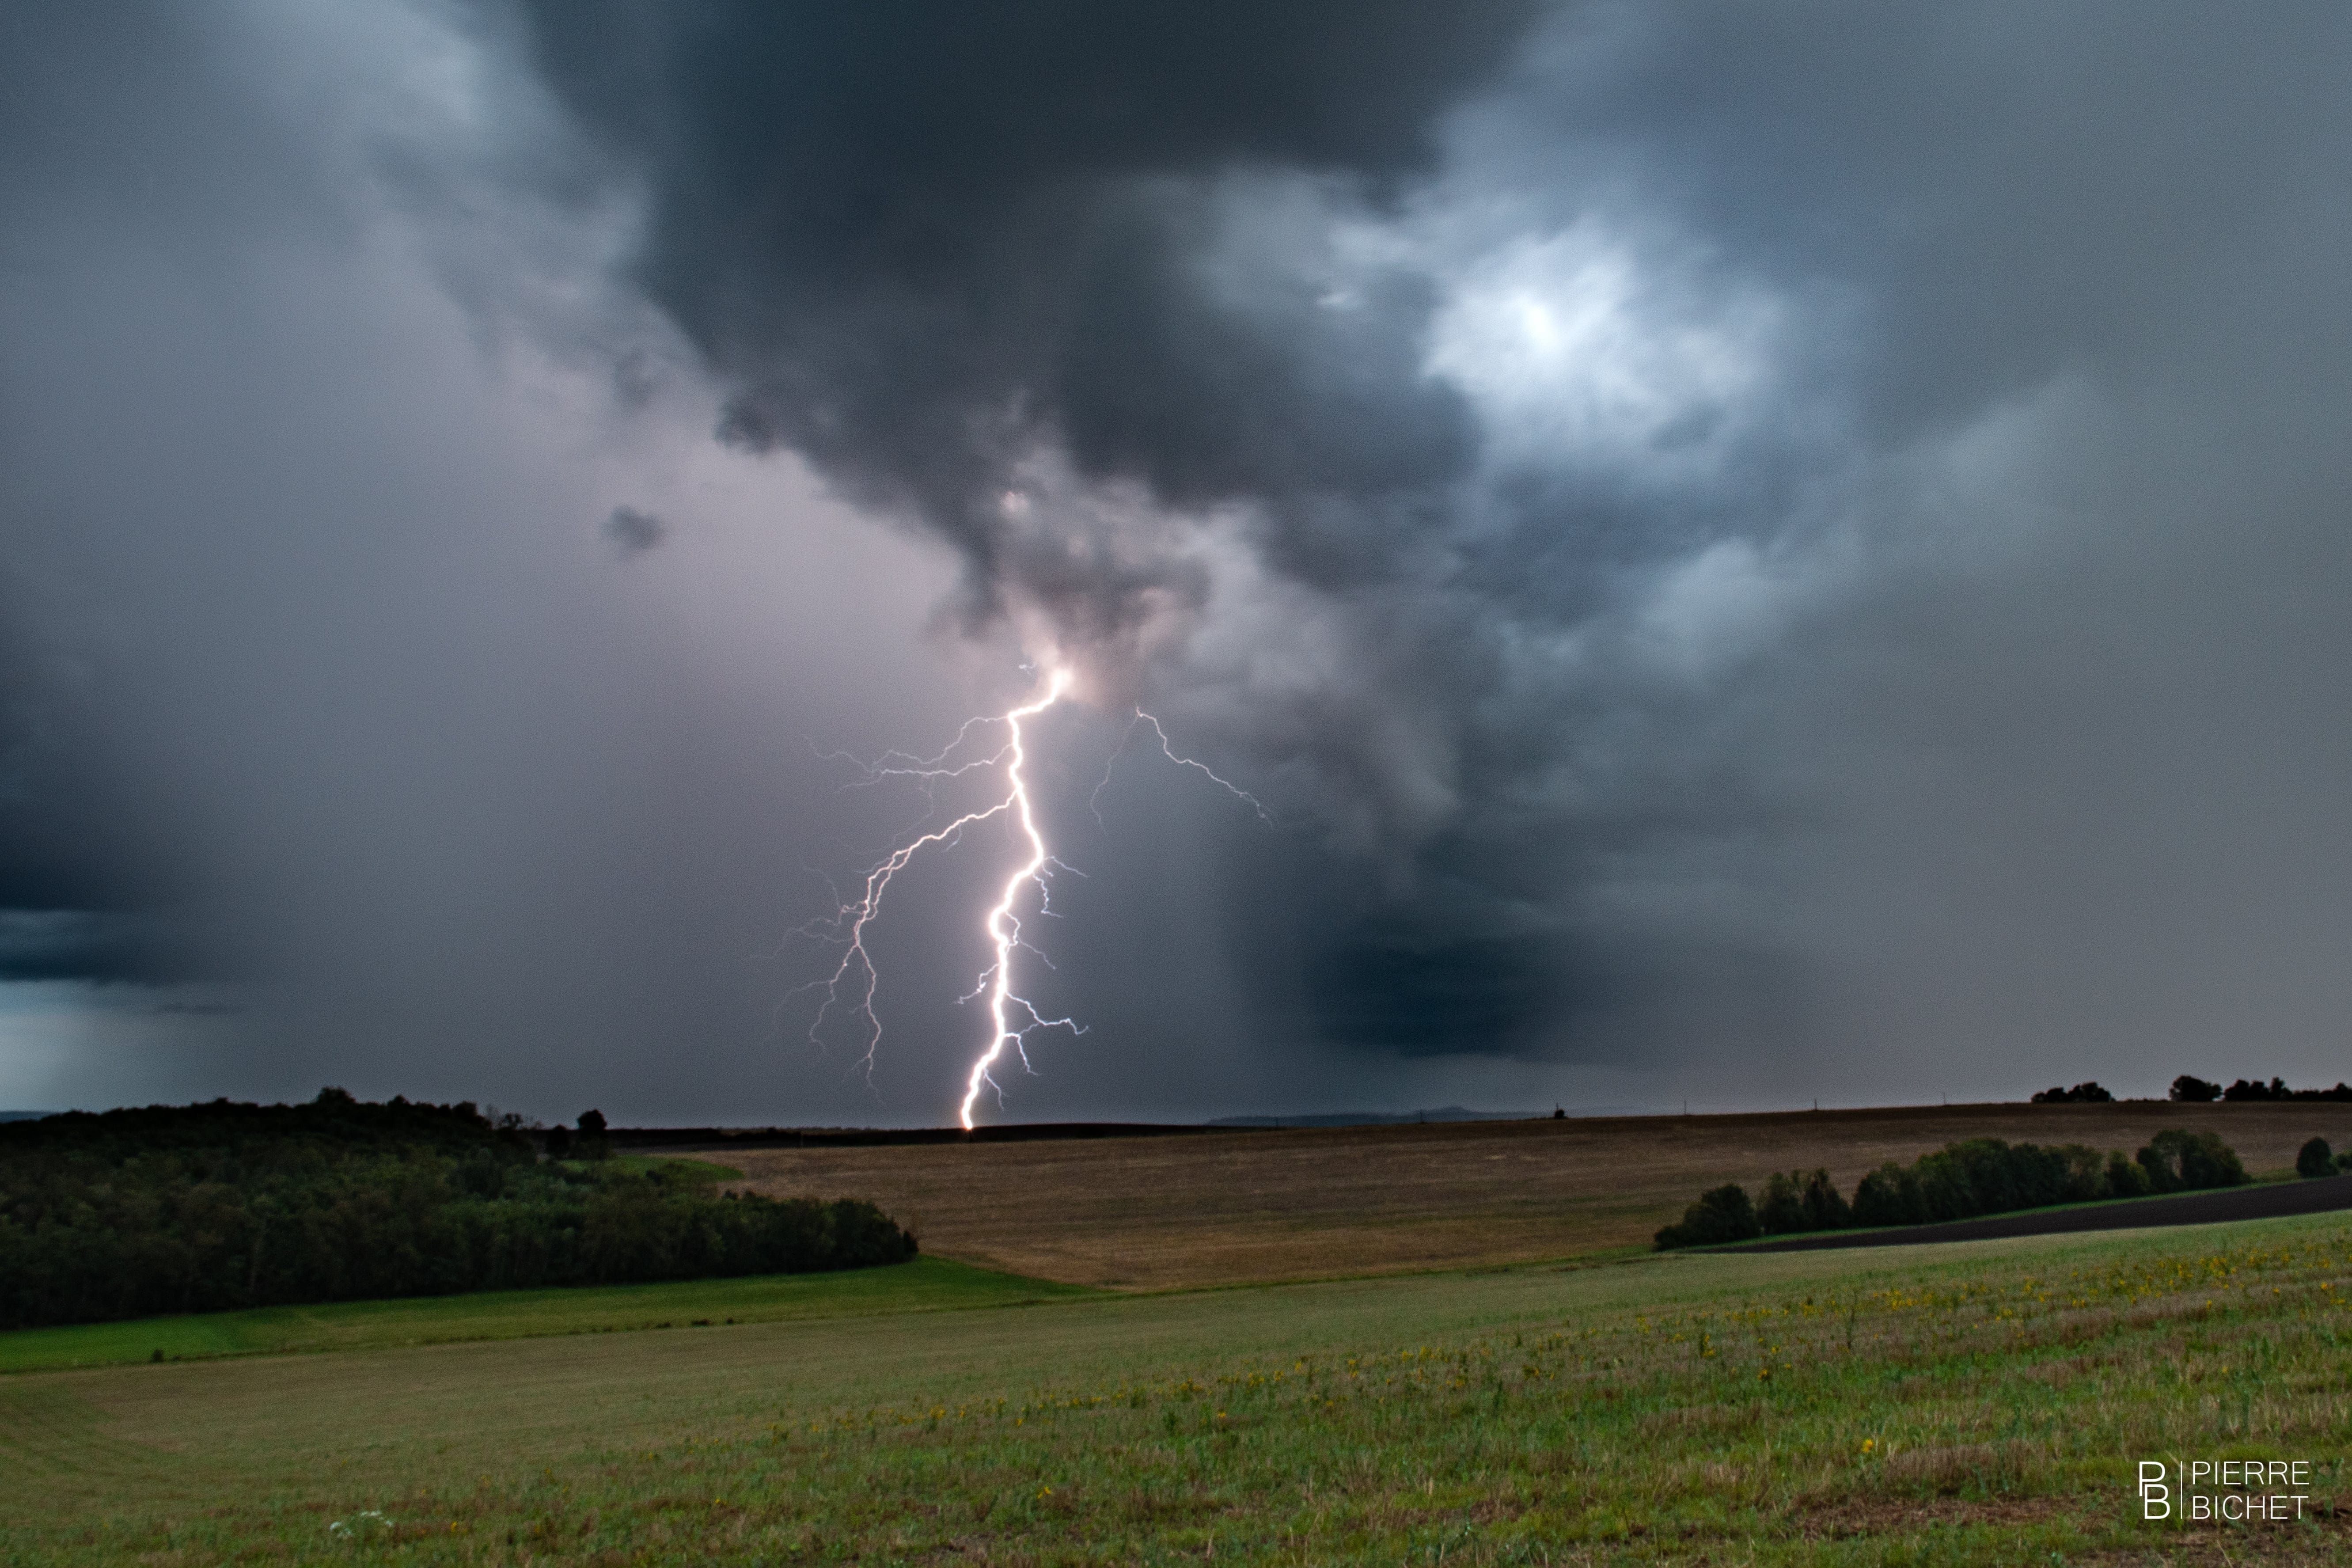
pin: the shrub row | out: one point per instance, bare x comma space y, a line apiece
1960, 1181
208, 1209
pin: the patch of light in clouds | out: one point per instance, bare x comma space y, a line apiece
1574, 345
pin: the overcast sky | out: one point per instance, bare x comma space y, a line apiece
1749, 552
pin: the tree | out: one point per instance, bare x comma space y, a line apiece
1825, 1209
1889, 1195
2090, 1093
2195, 1090
2316, 1158
1783, 1208
1722, 1214
133, 1214
592, 1142
2127, 1178
2178, 1159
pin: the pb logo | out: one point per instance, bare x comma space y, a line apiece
2155, 1497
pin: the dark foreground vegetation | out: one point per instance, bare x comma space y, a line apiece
210, 1207
1960, 1181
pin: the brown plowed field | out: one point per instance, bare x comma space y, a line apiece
1235, 1207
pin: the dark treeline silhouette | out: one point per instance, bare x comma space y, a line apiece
2197, 1092
2091, 1093
1960, 1181
2247, 1088
207, 1208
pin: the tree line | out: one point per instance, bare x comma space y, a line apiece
199, 1208
1959, 1180
2195, 1090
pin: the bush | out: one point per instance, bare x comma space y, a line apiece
2194, 1090
1722, 1214
2316, 1158
2127, 1178
2178, 1161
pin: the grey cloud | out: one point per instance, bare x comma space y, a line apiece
92, 945
634, 533
1955, 212
920, 239
1795, 546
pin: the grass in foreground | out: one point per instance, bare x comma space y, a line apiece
924, 1285
1981, 1402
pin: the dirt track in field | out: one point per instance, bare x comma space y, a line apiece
1247, 1206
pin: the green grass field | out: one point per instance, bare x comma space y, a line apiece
1978, 1402
925, 1285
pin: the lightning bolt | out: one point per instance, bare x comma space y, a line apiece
1094, 801
1013, 1017
1004, 926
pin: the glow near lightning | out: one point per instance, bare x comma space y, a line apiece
1001, 924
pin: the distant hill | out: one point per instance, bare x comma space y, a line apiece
1378, 1118
25, 1115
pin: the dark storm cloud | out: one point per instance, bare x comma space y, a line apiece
2017, 192
922, 245
634, 533
81, 853
1798, 545
1418, 999
83, 944
100, 116
920, 239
